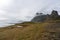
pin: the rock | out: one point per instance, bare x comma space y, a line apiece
19, 26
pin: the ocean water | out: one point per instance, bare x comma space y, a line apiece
5, 24
8, 23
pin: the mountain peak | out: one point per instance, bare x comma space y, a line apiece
42, 17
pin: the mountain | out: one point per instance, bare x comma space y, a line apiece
40, 17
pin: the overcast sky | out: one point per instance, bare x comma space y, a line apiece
16, 10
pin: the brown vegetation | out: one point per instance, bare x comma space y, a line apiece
34, 31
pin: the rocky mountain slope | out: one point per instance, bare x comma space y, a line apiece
40, 17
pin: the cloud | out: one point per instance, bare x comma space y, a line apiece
16, 10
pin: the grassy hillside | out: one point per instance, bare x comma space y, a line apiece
32, 31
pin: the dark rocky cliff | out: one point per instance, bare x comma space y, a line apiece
41, 17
